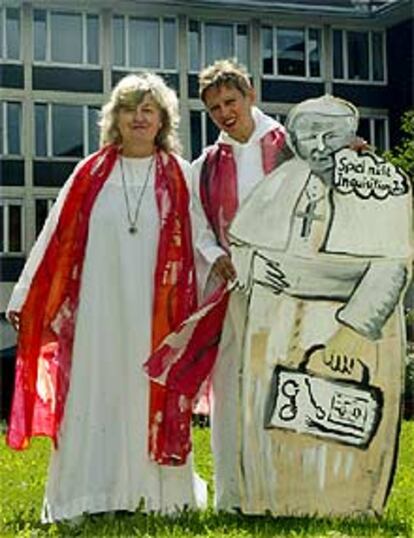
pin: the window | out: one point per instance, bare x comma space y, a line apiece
11, 226
281, 118
65, 37
144, 42
65, 130
375, 131
10, 33
291, 52
42, 208
211, 41
359, 55
10, 128
203, 132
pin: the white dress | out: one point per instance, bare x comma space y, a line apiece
102, 462
225, 384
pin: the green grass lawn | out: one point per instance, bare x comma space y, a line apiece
22, 478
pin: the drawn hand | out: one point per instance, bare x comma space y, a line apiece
275, 278
348, 353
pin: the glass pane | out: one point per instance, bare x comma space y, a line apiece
1, 229
267, 50
242, 44
196, 138
2, 127
358, 66
219, 42
41, 209
291, 52
2, 52
118, 27
338, 54
67, 131
39, 22
66, 37
92, 39
212, 131
41, 130
194, 46
13, 34
170, 44
15, 228
14, 126
314, 52
363, 129
144, 43
93, 129
378, 56
379, 134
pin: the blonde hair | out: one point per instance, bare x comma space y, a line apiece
129, 92
226, 72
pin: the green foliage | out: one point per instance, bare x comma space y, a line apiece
403, 154
21, 490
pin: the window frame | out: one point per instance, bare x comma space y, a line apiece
50, 200
6, 202
84, 29
126, 21
276, 74
204, 119
4, 150
372, 118
202, 40
370, 80
49, 131
3, 45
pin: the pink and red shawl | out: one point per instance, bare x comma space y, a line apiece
48, 315
186, 357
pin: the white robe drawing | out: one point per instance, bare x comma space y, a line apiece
317, 430
102, 462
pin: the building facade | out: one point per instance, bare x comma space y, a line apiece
60, 60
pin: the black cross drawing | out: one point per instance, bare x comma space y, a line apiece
308, 216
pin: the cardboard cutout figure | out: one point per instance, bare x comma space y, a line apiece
322, 248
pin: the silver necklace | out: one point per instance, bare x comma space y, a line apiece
133, 217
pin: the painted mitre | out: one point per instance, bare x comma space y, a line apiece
327, 105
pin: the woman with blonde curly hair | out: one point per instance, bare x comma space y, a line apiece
109, 277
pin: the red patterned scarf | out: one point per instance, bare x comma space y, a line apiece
48, 316
186, 357
218, 181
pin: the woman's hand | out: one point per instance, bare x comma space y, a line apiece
360, 144
14, 318
224, 268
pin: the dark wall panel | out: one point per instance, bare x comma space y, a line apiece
11, 172
11, 76
51, 173
287, 91
10, 268
67, 79
193, 86
400, 46
363, 94
7, 365
171, 79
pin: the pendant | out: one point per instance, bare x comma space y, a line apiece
132, 229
